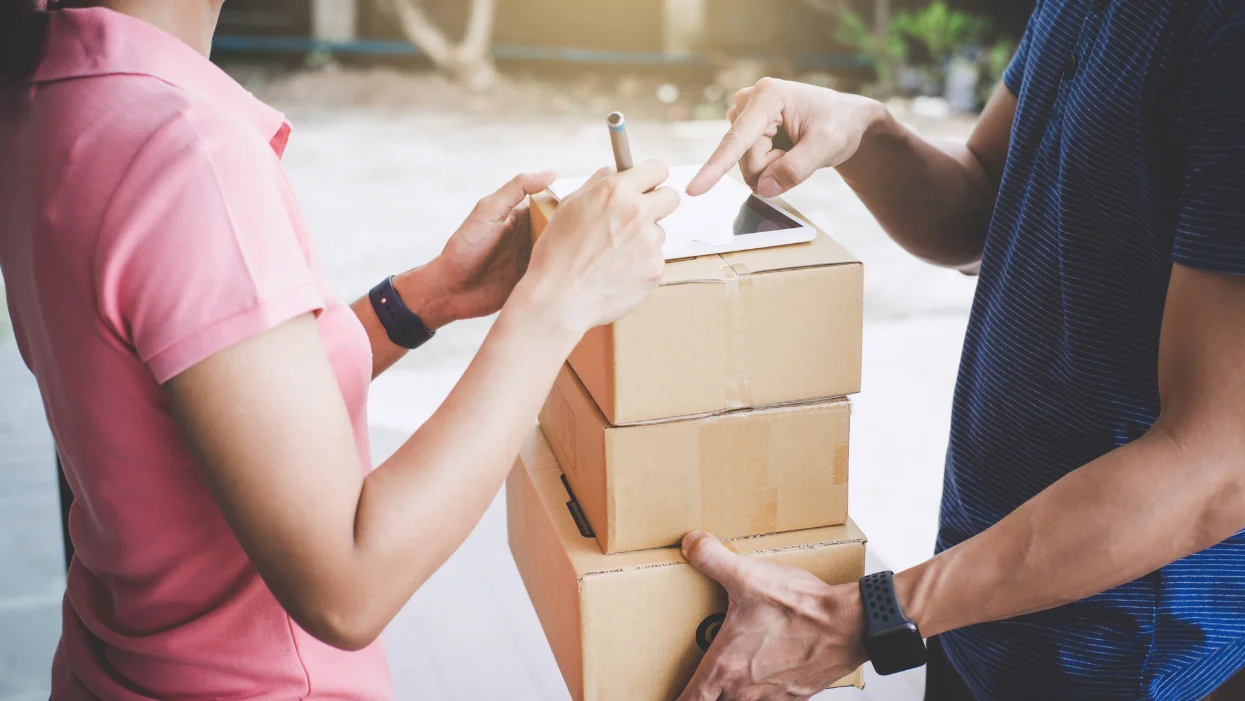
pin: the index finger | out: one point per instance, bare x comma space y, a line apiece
704, 685
750, 125
645, 176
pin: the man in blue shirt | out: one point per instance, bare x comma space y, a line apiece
1090, 543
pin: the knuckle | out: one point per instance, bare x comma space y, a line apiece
732, 668
766, 84
615, 193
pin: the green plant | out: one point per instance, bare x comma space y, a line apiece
881, 53
938, 31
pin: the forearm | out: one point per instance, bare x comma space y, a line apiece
424, 292
419, 506
1118, 518
934, 200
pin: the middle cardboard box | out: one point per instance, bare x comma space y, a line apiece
736, 474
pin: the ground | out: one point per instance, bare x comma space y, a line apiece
383, 183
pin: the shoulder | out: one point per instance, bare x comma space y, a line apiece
184, 131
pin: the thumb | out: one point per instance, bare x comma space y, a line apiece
499, 204
793, 168
712, 558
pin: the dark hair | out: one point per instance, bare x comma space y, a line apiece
22, 31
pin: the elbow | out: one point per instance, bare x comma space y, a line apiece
343, 625
1223, 510
1214, 461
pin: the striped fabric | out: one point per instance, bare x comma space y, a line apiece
1127, 153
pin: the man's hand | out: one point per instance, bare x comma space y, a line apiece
482, 261
787, 634
825, 126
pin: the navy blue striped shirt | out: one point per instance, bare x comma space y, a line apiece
1127, 154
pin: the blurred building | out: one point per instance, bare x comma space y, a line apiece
771, 27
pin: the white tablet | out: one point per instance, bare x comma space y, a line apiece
725, 219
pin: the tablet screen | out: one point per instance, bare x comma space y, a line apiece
756, 217
718, 218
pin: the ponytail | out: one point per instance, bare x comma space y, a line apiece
22, 31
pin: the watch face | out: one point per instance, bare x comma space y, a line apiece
896, 648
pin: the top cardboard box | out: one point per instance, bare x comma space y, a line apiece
722, 332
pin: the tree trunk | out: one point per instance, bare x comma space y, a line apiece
468, 61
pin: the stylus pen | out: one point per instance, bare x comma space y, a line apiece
618, 139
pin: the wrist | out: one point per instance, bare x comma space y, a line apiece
914, 590
536, 306
847, 618
880, 122
878, 129
427, 293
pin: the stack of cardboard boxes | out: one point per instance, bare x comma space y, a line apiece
719, 405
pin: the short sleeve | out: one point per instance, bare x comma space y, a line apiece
1014, 74
199, 248
1210, 224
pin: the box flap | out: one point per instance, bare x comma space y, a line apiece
821, 251
586, 555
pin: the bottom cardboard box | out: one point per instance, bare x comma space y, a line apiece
634, 625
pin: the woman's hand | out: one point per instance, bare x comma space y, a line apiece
826, 127
482, 261
601, 253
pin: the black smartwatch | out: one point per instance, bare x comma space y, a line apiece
893, 641
403, 326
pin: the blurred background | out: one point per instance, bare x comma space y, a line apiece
407, 112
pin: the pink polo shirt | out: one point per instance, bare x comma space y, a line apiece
145, 224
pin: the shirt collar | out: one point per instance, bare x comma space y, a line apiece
98, 41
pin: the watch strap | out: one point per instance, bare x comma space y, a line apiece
893, 641
403, 326
877, 593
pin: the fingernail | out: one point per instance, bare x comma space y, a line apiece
769, 187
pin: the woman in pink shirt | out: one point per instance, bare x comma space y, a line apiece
206, 388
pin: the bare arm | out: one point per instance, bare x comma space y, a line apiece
934, 200
268, 426
1175, 491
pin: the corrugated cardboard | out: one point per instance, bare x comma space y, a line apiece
633, 626
736, 330
742, 473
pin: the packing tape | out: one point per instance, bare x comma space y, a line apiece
741, 497
739, 378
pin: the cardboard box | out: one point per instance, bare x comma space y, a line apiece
728, 331
738, 474
633, 626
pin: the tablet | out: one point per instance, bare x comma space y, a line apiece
727, 218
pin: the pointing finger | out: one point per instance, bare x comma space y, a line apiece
763, 111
